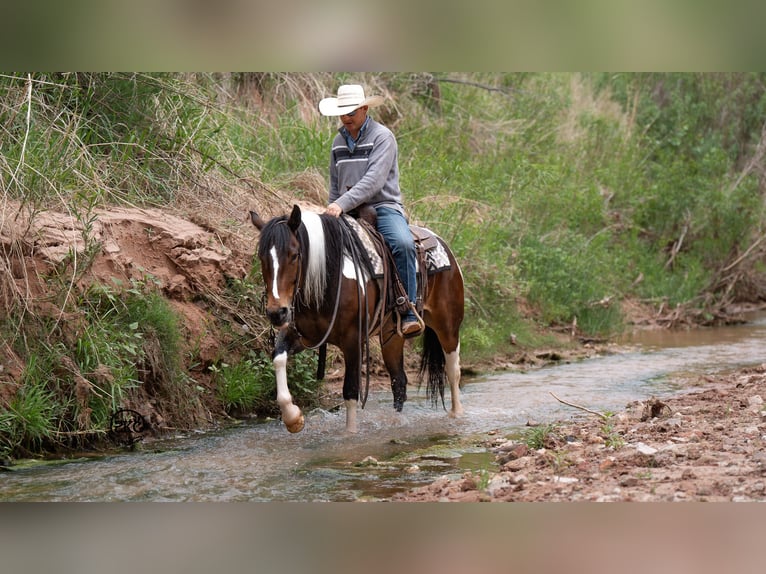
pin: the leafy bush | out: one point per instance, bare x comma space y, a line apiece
567, 281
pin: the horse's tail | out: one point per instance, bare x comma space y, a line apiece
432, 367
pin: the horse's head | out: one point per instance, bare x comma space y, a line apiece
279, 251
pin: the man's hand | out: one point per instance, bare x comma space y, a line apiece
334, 210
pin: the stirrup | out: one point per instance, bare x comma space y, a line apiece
418, 318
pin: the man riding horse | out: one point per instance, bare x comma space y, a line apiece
364, 170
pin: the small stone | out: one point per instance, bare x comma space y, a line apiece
517, 464
497, 483
565, 479
670, 424
645, 449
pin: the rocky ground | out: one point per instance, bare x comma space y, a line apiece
704, 445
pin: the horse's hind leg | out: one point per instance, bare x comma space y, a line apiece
452, 368
445, 340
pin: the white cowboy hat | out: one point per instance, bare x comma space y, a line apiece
350, 97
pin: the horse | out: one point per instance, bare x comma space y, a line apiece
317, 293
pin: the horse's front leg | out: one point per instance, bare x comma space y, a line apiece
291, 413
351, 389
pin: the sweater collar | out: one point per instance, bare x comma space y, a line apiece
351, 142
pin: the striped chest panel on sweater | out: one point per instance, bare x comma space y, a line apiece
345, 157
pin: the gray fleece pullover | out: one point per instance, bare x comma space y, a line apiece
370, 173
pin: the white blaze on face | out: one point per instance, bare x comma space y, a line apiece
275, 268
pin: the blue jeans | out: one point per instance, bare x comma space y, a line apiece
393, 226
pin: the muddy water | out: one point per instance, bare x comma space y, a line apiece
262, 462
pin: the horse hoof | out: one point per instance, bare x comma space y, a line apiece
398, 406
297, 425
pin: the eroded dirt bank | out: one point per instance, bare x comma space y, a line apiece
704, 445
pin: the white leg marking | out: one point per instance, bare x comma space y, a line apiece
275, 265
351, 424
291, 414
452, 367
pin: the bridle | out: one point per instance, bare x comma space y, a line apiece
347, 243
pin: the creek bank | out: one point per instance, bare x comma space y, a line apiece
198, 268
706, 444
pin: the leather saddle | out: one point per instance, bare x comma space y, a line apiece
425, 242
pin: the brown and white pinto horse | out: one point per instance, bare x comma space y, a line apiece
316, 293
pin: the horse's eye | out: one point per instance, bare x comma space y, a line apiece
294, 257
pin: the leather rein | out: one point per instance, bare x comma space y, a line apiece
350, 244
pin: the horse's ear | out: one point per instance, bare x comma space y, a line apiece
295, 219
257, 221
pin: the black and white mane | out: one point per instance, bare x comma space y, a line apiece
325, 244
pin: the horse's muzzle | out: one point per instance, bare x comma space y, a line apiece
279, 316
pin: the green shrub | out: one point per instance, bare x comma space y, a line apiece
249, 385
568, 281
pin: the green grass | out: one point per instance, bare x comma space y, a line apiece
537, 437
31, 417
249, 385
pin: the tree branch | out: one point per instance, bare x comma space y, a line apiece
587, 410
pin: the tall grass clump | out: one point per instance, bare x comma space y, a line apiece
249, 386
133, 343
119, 137
700, 205
31, 419
125, 348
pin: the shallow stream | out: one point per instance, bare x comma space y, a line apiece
392, 452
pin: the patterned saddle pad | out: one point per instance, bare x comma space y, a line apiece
426, 241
